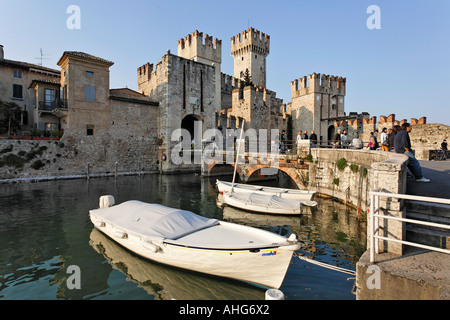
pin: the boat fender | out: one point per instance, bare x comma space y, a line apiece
150, 246
106, 201
274, 294
292, 237
100, 224
120, 235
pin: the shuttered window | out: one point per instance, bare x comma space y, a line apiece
89, 93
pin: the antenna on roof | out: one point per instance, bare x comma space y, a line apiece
42, 57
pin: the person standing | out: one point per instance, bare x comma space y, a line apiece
444, 145
313, 138
402, 144
344, 139
392, 134
337, 139
444, 148
305, 135
384, 140
283, 141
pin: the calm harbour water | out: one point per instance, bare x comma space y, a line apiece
45, 228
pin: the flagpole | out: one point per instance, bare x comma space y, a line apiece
237, 156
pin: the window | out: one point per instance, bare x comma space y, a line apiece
50, 96
51, 126
89, 74
89, 130
17, 73
89, 93
17, 91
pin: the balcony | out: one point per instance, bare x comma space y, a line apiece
50, 106
57, 107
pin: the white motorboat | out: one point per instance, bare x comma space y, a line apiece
263, 203
184, 239
293, 194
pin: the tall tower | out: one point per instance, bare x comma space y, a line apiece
249, 50
208, 52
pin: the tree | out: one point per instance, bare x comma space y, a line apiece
7, 112
247, 79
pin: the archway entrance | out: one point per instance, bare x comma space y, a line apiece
194, 125
331, 133
189, 123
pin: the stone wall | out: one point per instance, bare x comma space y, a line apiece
130, 145
29, 159
425, 137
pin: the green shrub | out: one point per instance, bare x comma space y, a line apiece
365, 171
354, 168
341, 164
336, 181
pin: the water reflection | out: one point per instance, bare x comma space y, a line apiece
45, 228
168, 283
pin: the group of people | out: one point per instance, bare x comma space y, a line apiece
340, 140
397, 140
304, 136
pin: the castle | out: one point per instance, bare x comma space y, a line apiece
191, 87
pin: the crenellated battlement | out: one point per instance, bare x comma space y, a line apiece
229, 83
318, 83
144, 73
193, 47
250, 40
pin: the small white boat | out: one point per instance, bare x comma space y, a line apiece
293, 194
184, 239
263, 203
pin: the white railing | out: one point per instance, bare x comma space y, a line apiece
374, 217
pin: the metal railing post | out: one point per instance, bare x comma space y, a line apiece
376, 226
371, 228
374, 216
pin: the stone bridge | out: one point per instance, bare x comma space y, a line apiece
346, 174
267, 164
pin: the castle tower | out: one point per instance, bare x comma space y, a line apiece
249, 50
208, 52
317, 102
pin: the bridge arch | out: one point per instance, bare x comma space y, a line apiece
246, 170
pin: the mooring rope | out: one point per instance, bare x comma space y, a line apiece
322, 264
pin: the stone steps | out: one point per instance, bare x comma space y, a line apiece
430, 212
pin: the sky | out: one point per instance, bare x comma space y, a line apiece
402, 67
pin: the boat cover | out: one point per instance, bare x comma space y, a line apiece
153, 221
266, 200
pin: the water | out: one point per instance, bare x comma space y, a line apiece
45, 228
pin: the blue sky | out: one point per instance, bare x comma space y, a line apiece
402, 68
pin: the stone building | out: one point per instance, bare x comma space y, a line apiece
111, 126
186, 92
317, 103
33, 88
257, 105
195, 95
